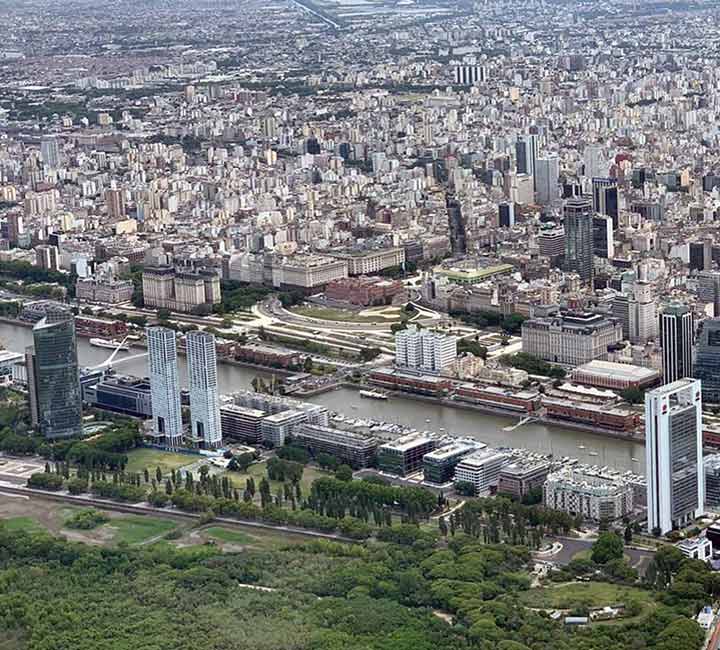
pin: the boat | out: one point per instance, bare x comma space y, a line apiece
373, 394
428, 421
634, 460
581, 446
109, 343
593, 453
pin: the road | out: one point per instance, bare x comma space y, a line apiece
571, 546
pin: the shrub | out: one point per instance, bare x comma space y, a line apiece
43, 481
87, 519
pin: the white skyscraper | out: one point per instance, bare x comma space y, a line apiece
424, 350
202, 378
164, 386
674, 455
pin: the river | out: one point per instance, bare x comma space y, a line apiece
421, 415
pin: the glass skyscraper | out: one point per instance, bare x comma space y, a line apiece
164, 386
54, 377
707, 360
204, 399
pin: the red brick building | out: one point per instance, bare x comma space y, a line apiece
606, 417
101, 327
266, 356
363, 290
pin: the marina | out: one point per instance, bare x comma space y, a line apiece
399, 410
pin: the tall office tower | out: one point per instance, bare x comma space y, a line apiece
423, 350
642, 313
506, 215
674, 455
526, 154
469, 74
13, 227
605, 198
50, 152
54, 376
115, 201
594, 161
579, 237
707, 360
458, 241
47, 258
709, 289
677, 333
603, 240
164, 386
547, 174
204, 400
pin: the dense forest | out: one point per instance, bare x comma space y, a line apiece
463, 594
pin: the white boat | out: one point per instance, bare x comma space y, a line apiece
373, 394
593, 453
109, 343
581, 446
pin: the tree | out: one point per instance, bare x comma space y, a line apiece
344, 473
308, 364
628, 534
633, 395
163, 315
608, 546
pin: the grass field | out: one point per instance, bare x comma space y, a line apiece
28, 524
137, 529
259, 471
583, 594
347, 316
226, 535
139, 459
587, 555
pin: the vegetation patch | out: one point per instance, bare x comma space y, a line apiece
138, 530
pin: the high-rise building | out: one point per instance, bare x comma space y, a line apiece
469, 74
605, 198
547, 173
506, 215
674, 455
423, 350
164, 386
47, 258
709, 289
115, 200
458, 240
642, 313
707, 360
677, 332
526, 150
579, 237
603, 241
53, 376
203, 384
50, 152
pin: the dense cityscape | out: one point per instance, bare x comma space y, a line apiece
360, 324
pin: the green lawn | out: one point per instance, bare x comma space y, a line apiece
587, 555
583, 594
259, 471
139, 459
227, 535
28, 524
342, 315
138, 529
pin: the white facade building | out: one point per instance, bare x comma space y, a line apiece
423, 350
674, 455
591, 495
164, 386
202, 378
481, 469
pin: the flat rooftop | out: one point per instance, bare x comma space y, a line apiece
409, 441
243, 410
619, 370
